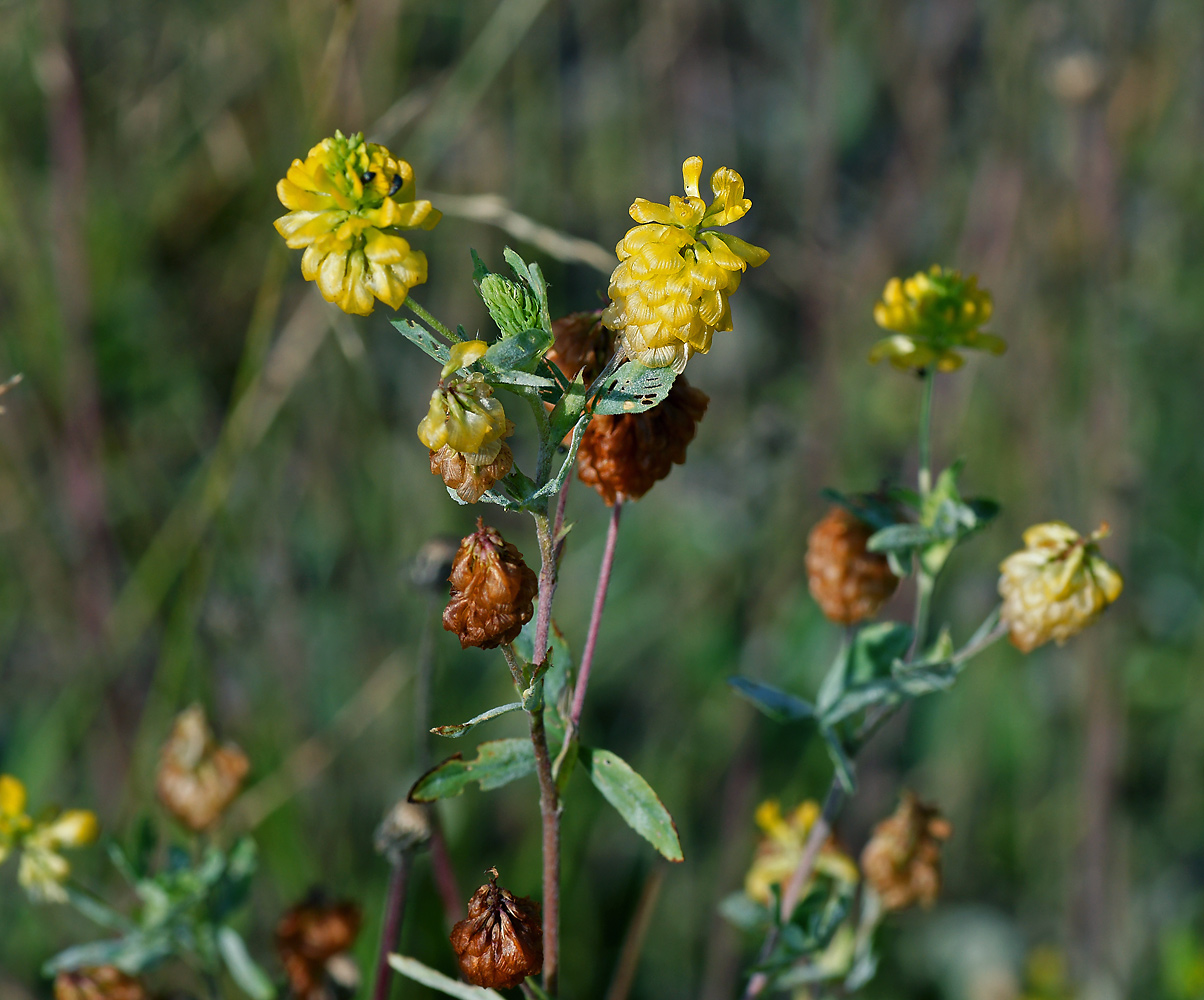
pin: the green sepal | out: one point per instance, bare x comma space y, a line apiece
497, 763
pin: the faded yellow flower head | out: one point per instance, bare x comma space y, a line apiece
902, 860
781, 849
464, 416
42, 869
931, 315
1055, 586
197, 778
670, 292
343, 199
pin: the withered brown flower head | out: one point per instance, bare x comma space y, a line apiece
625, 455
102, 982
312, 939
469, 481
492, 591
500, 943
848, 582
197, 779
902, 861
581, 343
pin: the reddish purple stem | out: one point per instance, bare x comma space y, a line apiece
595, 621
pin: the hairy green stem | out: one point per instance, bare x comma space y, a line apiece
549, 797
430, 320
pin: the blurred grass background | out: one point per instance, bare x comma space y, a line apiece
210, 486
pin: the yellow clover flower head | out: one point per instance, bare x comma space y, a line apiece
42, 868
931, 315
670, 292
781, 849
464, 416
1055, 586
344, 200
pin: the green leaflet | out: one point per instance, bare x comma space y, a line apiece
633, 799
633, 389
778, 705
411, 968
497, 763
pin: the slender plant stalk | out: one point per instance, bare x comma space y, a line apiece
395, 909
837, 796
430, 320
926, 433
402, 862
595, 620
637, 932
925, 581
549, 797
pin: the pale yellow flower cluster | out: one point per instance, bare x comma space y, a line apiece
1055, 586
781, 849
464, 415
343, 198
43, 869
931, 315
669, 293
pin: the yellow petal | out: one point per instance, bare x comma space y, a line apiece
691, 173
645, 211
12, 797
464, 354
754, 255
730, 204
74, 828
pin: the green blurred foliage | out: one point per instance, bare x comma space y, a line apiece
156, 551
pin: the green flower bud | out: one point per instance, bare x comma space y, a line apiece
512, 305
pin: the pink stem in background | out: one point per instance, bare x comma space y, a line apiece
595, 621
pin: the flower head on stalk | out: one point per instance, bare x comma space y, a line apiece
198, 778
931, 315
43, 869
1055, 586
344, 200
902, 860
464, 428
314, 940
492, 591
670, 290
781, 850
500, 942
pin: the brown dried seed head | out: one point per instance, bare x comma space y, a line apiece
197, 779
582, 343
848, 582
311, 939
627, 454
469, 481
102, 982
500, 943
492, 591
902, 861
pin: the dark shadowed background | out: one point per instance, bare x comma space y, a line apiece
211, 488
